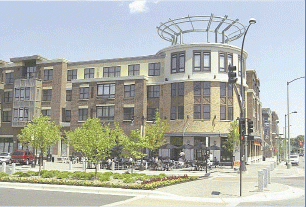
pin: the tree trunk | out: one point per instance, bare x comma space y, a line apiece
40, 159
96, 170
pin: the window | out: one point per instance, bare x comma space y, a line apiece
173, 89
154, 69
173, 113
229, 59
31, 72
15, 114
26, 114
230, 90
84, 92
106, 112
206, 62
180, 112
8, 96
151, 114
153, 91
7, 116
27, 93
46, 112
182, 62
206, 88
201, 61
72, 75
9, 77
17, 94
222, 89
67, 115
83, 114
206, 112
134, 70
230, 113
89, 73
197, 61
197, 112
239, 66
22, 94
111, 71
48, 75
222, 112
128, 113
106, 90
178, 62
197, 88
221, 62
68, 95
181, 89
129, 91
47, 95
21, 114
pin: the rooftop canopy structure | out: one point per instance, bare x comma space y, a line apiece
224, 30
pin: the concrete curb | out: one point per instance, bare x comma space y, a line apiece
263, 196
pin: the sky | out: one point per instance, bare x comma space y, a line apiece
91, 30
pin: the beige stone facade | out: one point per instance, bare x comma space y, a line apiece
187, 83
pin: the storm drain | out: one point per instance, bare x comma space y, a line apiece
215, 193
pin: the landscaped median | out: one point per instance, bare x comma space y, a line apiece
106, 179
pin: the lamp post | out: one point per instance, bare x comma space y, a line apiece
289, 164
288, 140
278, 148
242, 131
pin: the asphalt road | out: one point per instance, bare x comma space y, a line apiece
297, 182
17, 197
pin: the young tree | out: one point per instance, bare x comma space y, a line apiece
40, 133
297, 143
133, 146
155, 133
94, 140
232, 140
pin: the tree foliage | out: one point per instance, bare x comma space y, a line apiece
297, 143
93, 140
155, 133
40, 133
233, 137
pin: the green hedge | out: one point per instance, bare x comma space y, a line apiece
87, 179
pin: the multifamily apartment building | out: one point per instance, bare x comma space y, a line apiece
187, 83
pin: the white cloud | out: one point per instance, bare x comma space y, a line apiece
138, 6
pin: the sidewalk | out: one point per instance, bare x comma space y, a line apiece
225, 181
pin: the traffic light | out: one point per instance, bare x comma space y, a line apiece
250, 126
232, 74
242, 126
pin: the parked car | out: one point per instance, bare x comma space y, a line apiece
22, 156
301, 154
5, 157
294, 159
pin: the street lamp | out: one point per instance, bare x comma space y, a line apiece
286, 140
289, 164
242, 131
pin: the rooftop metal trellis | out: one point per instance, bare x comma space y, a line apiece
174, 29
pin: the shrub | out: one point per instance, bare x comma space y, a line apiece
104, 178
64, 174
118, 176
3, 174
129, 180
107, 173
47, 174
83, 175
22, 174
33, 173
18, 173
